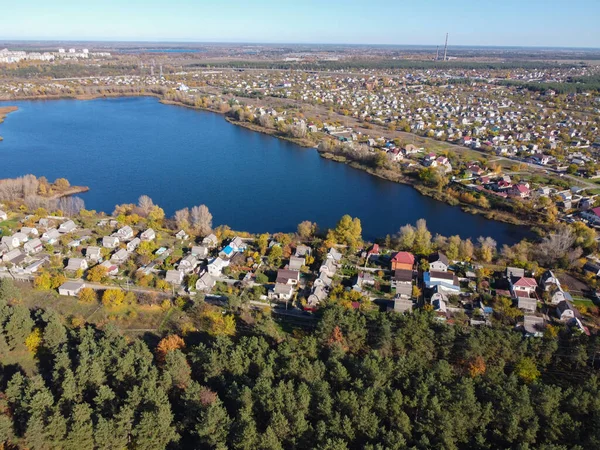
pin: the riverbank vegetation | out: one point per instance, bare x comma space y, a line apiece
36, 193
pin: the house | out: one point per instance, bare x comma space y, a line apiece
200, 251
210, 241
71, 288
334, 255
402, 304
51, 236
238, 245
11, 242
227, 252
566, 311
438, 262
364, 278
323, 280
125, 233
67, 227
403, 261
111, 268
3, 215
526, 303
181, 235
216, 266
30, 231
34, 266
291, 277
133, 244
443, 281
76, 264
519, 191
93, 253
318, 295
302, 251
522, 287
374, 250
12, 255
440, 304
514, 272
402, 282
119, 257
558, 295
296, 263
205, 283
174, 276
22, 237
533, 325
188, 264
148, 235
281, 292
33, 246
110, 242
593, 215
328, 267
591, 267
549, 281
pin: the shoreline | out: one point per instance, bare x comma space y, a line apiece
73, 190
5, 111
399, 178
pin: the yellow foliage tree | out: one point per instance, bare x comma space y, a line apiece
113, 298
218, 324
97, 274
43, 281
34, 341
168, 344
87, 295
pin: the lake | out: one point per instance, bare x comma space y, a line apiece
125, 147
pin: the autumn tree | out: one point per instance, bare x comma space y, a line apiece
113, 298
201, 220
168, 344
306, 229
348, 232
145, 204
97, 274
87, 295
182, 219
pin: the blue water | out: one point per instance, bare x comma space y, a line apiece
123, 148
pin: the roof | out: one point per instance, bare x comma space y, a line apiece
72, 285
404, 258
438, 256
403, 275
596, 211
526, 282
283, 275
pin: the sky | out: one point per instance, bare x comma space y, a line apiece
546, 23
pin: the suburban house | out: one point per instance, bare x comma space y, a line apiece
76, 264
182, 235
403, 261
22, 237
363, 278
402, 304
593, 215
110, 242
188, 264
133, 244
227, 252
328, 267
558, 296
200, 251
216, 266
318, 294
402, 282
67, 227
12, 255
174, 276
29, 231
205, 283
148, 235
438, 262
238, 245
11, 242
302, 250
125, 233
119, 257
296, 263
566, 311
210, 241
291, 277
111, 268
3, 215
444, 281
51, 236
71, 288
323, 280
548, 281
33, 246
93, 253
281, 292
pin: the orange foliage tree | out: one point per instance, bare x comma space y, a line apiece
168, 344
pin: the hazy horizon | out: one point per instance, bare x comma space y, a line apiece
511, 23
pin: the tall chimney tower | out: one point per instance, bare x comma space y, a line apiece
446, 48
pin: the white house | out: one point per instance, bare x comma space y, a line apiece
119, 257
210, 241
181, 235
11, 241
71, 288
281, 292
205, 283
110, 242
11, 255
3, 215
125, 233
111, 268
51, 236
216, 266
148, 235
133, 244
93, 253
30, 231
200, 251
174, 276
33, 246
188, 264
76, 264
67, 227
